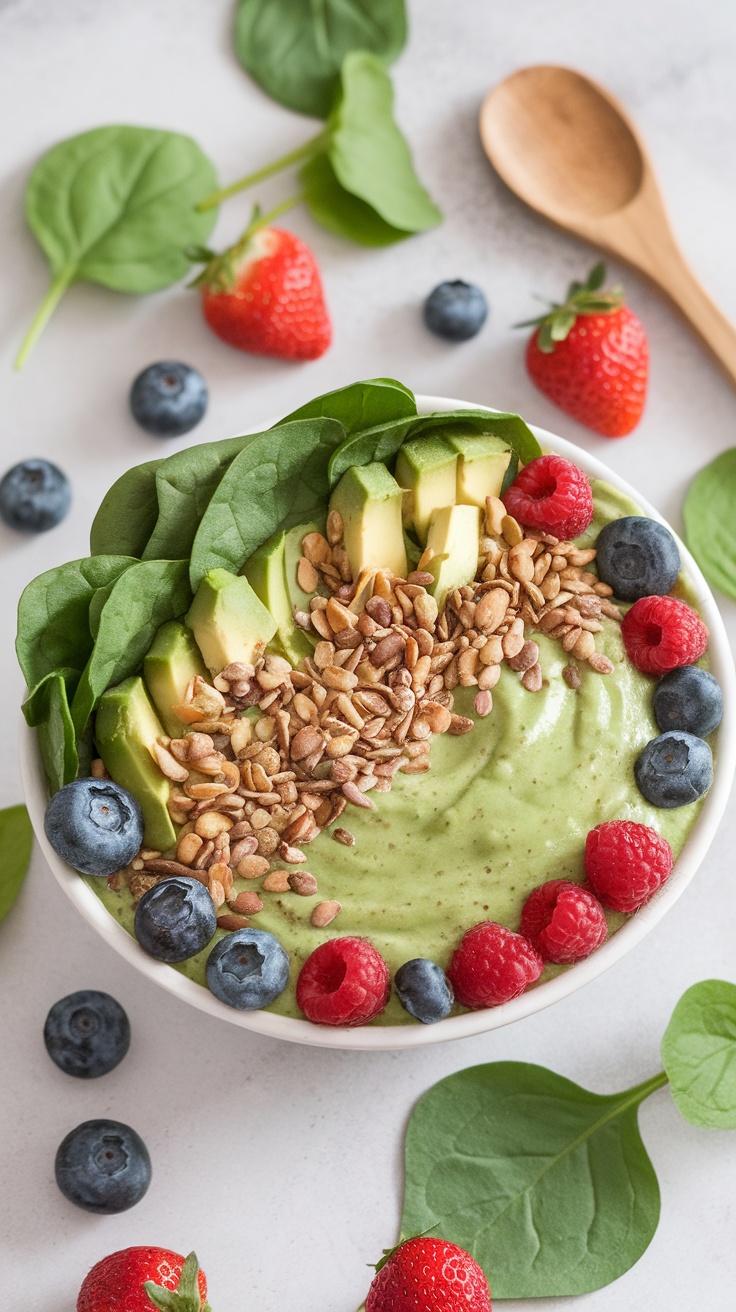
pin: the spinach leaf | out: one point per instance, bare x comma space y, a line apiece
331, 205
145, 597
116, 206
548, 1186
699, 1055
48, 709
360, 405
277, 481
16, 841
127, 514
53, 627
184, 486
709, 513
294, 48
383, 441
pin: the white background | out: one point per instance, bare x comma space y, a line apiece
282, 1165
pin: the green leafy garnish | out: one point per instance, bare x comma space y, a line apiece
127, 513
16, 841
582, 298
294, 48
709, 513
699, 1055
47, 709
116, 206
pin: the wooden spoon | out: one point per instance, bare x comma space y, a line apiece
567, 148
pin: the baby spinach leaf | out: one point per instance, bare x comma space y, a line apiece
145, 597
294, 48
331, 205
53, 627
360, 405
709, 513
277, 481
48, 709
699, 1055
116, 206
184, 487
548, 1186
128, 513
16, 841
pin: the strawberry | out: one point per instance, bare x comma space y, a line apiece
429, 1274
140, 1279
590, 356
264, 295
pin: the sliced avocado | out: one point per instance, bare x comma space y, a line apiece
266, 573
228, 620
369, 500
427, 468
126, 727
454, 534
172, 661
481, 468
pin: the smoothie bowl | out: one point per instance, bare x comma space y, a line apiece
394, 723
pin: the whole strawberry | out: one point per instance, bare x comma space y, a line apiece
140, 1279
590, 356
431, 1275
264, 295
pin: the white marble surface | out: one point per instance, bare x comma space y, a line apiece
282, 1165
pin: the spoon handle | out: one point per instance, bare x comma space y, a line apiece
718, 333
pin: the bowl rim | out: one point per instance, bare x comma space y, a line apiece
395, 1037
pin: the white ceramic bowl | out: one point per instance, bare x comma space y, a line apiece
414, 1036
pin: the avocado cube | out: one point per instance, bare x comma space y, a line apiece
228, 620
454, 536
427, 468
481, 468
265, 570
126, 728
369, 500
171, 662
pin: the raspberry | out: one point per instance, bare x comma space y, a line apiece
662, 633
344, 982
626, 863
553, 495
492, 965
563, 921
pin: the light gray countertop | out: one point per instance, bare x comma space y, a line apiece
282, 1165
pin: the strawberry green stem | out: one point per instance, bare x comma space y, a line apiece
312, 147
43, 314
264, 220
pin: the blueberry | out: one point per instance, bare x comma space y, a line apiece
248, 969
637, 557
34, 496
688, 698
455, 310
87, 1034
175, 919
674, 769
168, 398
103, 1167
95, 825
424, 991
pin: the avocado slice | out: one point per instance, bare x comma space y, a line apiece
172, 661
454, 536
228, 620
265, 570
369, 500
126, 727
481, 467
427, 468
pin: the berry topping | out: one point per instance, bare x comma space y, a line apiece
34, 496
87, 1034
492, 965
626, 863
688, 698
94, 825
117, 1283
674, 769
168, 398
563, 921
552, 495
431, 1275
422, 988
248, 969
103, 1167
661, 633
344, 982
455, 310
637, 557
175, 919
